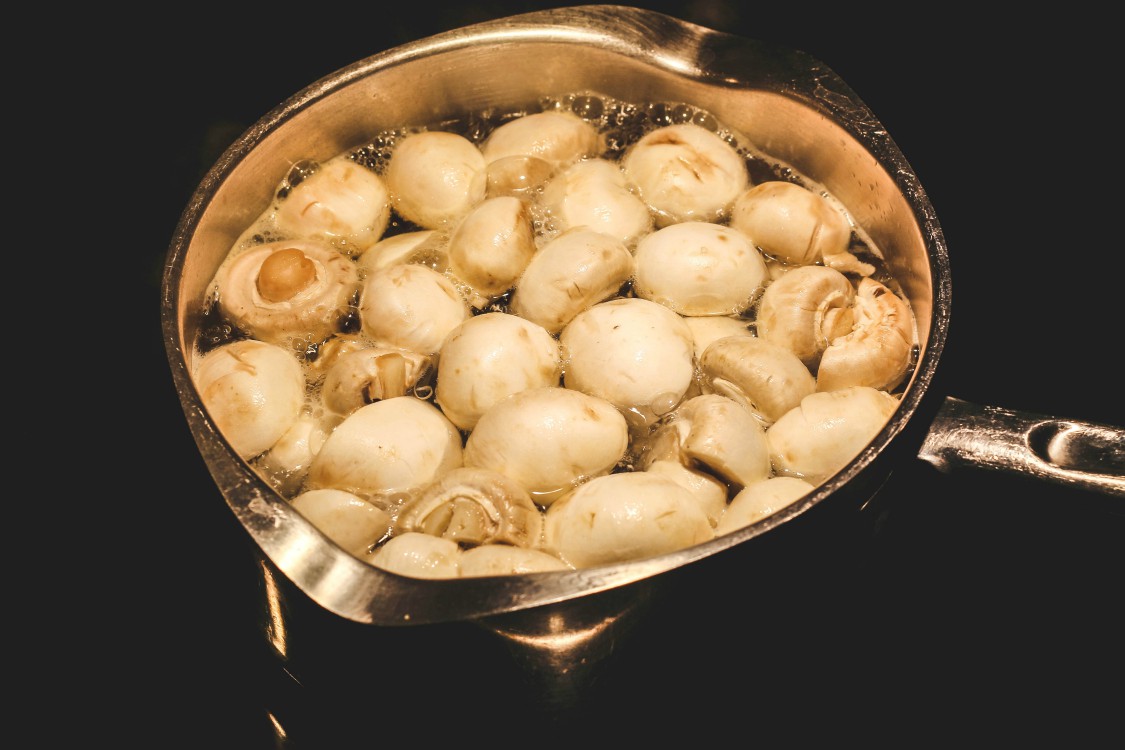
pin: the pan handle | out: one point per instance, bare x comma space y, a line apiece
1071, 452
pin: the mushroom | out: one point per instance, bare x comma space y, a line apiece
345, 518
473, 506
409, 247
287, 290
342, 202
549, 440
491, 246
363, 376
827, 430
593, 193
685, 172
763, 376
504, 559
632, 352
699, 268
287, 461
877, 352
570, 273
392, 447
517, 175
709, 493
410, 307
435, 178
488, 357
760, 500
708, 328
791, 223
418, 555
557, 137
253, 390
715, 434
804, 309
626, 516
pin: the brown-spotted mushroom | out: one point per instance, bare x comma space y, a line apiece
877, 351
804, 309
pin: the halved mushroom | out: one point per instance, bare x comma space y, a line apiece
685, 172
410, 307
392, 448
364, 376
791, 223
488, 357
827, 430
255, 391
760, 500
491, 246
504, 559
626, 516
288, 290
709, 493
557, 137
419, 247
570, 273
632, 352
549, 440
435, 178
472, 506
699, 268
706, 329
877, 352
345, 518
593, 193
766, 378
418, 555
806, 308
342, 202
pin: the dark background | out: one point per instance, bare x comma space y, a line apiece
991, 607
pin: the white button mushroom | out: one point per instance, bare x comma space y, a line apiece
255, 391
363, 376
288, 290
877, 352
418, 555
488, 357
472, 506
391, 447
559, 138
717, 433
761, 500
345, 518
287, 461
491, 246
570, 273
791, 223
699, 268
709, 493
504, 559
435, 178
804, 309
625, 516
632, 352
410, 307
593, 193
685, 172
342, 202
827, 430
409, 247
759, 374
708, 328
549, 440
517, 175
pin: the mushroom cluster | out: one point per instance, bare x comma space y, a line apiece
565, 339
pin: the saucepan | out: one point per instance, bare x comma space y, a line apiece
322, 607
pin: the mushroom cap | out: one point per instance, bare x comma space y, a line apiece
760, 500
345, 518
287, 461
556, 137
435, 178
804, 309
763, 376
626, 516
418, 555
685, 172
878, 350
491, 246
410, 307
504, 559
706, 329
720, 434
572, 272
342, 202
491, 356
314, 309
709, 492
401, 248
593, 193
549, 440
391, 447
790, 222
827, 430
517, 175
699, 268
632, 352
253, 390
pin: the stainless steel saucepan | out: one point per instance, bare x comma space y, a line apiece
793, 107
